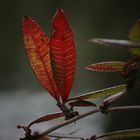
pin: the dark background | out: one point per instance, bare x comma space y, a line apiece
88, 19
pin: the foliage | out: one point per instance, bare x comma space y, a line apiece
53, 62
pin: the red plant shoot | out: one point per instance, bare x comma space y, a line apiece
53, 61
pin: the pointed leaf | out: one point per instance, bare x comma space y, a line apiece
62, 54
113, 98
101, 93
46, 118
114, 42
110, 66
81, 103
134, 34
122, 134
37, 49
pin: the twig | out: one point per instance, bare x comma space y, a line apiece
68, 136
69, 122
109, 110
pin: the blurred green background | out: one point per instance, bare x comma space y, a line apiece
88, 19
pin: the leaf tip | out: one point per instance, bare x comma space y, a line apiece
59, 13
95, 40
59, 19
60, 10
27, 24
26, 19
88, 68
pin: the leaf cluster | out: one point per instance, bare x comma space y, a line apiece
53, 62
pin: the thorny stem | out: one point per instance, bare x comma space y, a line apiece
109, 110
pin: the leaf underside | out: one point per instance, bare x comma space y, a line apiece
47, 118
62, 54
115, 42
101, 93
109, 66
113, 98
37, 49
133, 43
122, 134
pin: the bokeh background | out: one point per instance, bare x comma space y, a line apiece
22, 99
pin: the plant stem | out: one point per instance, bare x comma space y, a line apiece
109, 110
69, 122
68, 136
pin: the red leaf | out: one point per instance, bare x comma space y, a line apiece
37, 49
109, 66
62, 54
46, 118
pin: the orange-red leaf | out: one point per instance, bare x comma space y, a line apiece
109, 66
46, 118
36, 46
62, 54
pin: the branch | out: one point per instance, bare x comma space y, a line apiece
109, 110
68, 136
69, 122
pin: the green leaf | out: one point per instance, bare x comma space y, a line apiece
46, 118
101, 93
109, 66
121, 134
134, 34
81, 103
115, 42
135, 51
